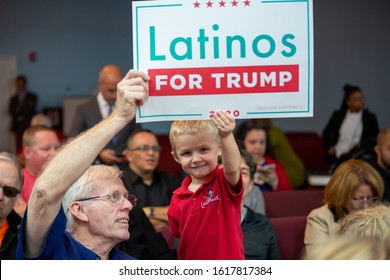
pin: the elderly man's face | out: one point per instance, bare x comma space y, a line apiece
108, 220
8, 177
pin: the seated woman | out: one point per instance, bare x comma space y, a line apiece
354, 185
285, 154
270, 174
351, 130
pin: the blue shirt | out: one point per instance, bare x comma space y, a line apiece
60, 245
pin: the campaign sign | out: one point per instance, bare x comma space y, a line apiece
252, 58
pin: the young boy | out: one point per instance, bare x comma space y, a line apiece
205, 211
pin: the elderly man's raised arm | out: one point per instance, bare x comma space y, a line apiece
75, 158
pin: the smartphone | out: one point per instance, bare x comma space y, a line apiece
269, 167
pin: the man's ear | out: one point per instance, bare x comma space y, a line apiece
175, 157
26, 152
77, 211
377, 151
127, 154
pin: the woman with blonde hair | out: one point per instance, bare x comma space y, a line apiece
355, 185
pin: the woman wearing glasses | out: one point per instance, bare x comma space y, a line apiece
354, 185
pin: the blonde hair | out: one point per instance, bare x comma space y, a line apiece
41, 119
179, 128
348, 176
373, 222
344, 248
29, 134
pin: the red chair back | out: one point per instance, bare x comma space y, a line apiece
292, 203
290, 233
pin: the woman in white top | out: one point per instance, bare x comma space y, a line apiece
350, 130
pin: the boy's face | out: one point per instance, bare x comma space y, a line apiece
198, 154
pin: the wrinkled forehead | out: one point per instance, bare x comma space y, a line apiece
99, 186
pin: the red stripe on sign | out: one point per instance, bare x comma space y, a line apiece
223, 80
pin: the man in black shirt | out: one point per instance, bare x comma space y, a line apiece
153, 188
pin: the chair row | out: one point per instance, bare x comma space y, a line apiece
292, 203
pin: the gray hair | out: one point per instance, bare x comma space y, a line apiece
4, 156
84, 186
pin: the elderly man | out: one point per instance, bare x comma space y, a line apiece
100, 107
80, 212
11, 180
382, 164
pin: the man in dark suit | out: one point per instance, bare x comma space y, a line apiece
22, 107
99, 107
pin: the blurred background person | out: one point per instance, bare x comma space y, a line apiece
354, 185
100, 107
259, 236
22, 107
41, 119
270, 174
351, 130
39, 144
285, 154
153, 188
10, 185
382, 163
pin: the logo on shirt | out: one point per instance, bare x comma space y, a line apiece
210, 198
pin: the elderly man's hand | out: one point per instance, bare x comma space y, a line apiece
132, 92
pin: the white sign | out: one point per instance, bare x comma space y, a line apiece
253, 59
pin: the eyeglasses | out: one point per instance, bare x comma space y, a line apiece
359, 202
115, 197
146, 148
9, 191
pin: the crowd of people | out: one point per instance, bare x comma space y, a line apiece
100, 194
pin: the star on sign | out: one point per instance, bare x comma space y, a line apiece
234, 3
247, 3
209, 4
222, 4
196, 4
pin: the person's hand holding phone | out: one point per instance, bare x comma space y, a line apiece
268, 174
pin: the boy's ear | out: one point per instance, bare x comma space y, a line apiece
175, 157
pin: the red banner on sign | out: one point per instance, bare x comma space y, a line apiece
224, 80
